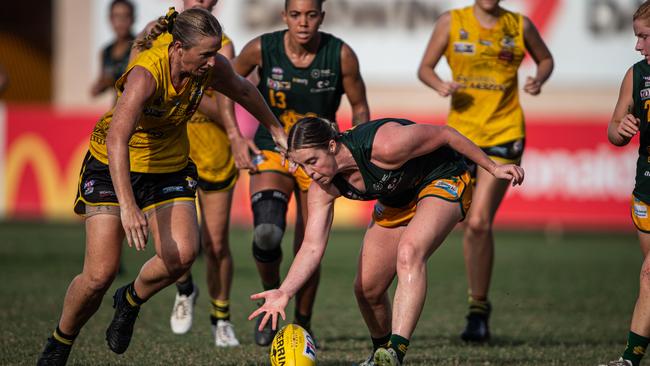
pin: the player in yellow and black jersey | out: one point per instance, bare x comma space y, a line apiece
138, 181
484, 45
210, 149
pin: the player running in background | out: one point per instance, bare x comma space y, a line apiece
114, 58
631, 117
137, 179
422, 189
484, 45
302, 72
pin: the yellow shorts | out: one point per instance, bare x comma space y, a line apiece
639, 210
272, 162
454, 189
210, 151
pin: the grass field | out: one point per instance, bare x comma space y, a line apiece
560, 300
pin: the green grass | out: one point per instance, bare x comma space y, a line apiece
557, 301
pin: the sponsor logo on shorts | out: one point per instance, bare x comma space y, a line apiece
89, 187
640, 211
171, 189
106, 194
464, 47
448, 187
191, 182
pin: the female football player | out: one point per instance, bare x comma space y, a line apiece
423, 190
630, 117
137, 179
303, 72
115, 57
484, 45
211, 133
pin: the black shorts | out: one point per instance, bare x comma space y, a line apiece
223, 186
508, 153
150, 189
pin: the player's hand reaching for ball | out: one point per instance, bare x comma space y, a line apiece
275, 301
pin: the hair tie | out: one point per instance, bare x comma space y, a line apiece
170, 17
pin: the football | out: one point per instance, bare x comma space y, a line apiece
292, 346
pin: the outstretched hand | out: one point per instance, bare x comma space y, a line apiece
275, 301
510, 172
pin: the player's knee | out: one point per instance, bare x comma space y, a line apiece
478, 225
367, 293
216, 246
99, 281
409, 256
269, 211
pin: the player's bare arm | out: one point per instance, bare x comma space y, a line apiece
542, 56
243, 92
623, 125
140, 86
395, 144
432, 55
319, 223
353, 85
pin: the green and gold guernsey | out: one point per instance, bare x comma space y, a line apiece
641, 94
296, 92
399, 187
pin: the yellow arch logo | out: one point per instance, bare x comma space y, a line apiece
56, 188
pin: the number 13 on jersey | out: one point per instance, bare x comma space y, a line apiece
277, 99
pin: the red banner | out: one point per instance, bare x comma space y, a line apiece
574, 177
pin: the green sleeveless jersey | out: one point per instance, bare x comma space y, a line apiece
641, 93
394, 188
296, 92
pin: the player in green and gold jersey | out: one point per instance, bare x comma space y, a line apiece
422, 188
629, 119
303, 72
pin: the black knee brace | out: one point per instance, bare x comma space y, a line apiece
269, 218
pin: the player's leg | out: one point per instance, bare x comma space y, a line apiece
104, 235
174, 232
433, 220
270, 193
375, 273
215, 208
478, 246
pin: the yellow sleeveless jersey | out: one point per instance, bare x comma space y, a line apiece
209, 144
159, 143
486, 110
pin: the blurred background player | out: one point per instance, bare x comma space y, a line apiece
423, 190
631, 109
210, 133
484, 45
137, 178
114, 58
303, 72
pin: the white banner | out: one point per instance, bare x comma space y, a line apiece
592, 40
